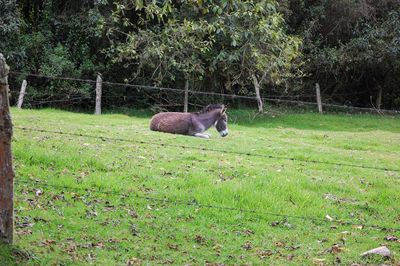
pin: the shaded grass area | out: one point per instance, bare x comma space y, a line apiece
81, 200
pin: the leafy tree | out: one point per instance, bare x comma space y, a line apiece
351, 47
9, 28
253, 46
241, 41
242, 47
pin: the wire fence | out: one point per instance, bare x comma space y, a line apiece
68, 100
271, 98
103, 138
194, 202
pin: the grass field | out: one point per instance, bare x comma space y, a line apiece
81, 200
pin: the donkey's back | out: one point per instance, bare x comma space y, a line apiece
171, 122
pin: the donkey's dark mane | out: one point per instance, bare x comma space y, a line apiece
210, 107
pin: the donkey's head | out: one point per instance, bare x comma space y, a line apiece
222, 122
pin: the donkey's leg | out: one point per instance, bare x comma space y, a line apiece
200, 135
208, 134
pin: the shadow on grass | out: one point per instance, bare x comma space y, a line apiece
12, 255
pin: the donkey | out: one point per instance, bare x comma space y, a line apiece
192, 124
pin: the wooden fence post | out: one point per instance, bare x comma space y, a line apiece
21, 94
319, 102
258, 95
379, 99
186, 103
6, 168
99, 82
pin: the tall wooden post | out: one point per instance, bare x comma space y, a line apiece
186, 102
99, 82
379, 98
6, 168
21, 94
258, 95
319, 102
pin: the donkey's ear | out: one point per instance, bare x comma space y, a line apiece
223, 110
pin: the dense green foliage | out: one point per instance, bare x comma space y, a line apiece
350, 47
64, 218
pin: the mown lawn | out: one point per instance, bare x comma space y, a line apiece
81, 200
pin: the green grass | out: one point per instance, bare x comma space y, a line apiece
75, 223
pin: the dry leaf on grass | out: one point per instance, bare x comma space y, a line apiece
247, 246
23, 232
391, 238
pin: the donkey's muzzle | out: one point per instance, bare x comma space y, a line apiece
224, 133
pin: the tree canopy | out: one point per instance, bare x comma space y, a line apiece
350, 47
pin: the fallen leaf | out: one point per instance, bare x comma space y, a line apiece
24, 224
98, 245
109, 208
359, 227
318, 262
111, 240
391, 238
134, 230
58, 197
246, 232
262, 254
48, 242
275, 223
173, 246
247, 246
23, 232
90, 257
335, 249
217, 248
200, 239
292, 247
39, 192
91, 214
133, 214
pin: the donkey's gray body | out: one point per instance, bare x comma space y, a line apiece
193, 124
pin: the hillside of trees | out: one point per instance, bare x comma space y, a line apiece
350, 47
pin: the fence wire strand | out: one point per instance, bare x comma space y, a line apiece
232, 96
103, 138
194, 202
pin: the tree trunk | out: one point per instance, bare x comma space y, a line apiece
257, 88
6, 168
